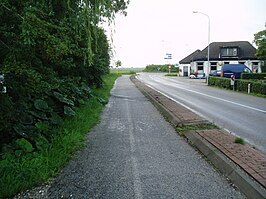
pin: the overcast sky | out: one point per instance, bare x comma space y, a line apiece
153, 28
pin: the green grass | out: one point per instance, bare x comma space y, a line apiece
183, 129
171, 74
124, 72
130, 71
239, 140
32, 169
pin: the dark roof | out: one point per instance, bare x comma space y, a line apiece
246, 51
190, 58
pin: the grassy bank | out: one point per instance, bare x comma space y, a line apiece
21, 173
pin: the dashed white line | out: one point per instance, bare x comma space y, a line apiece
210, 96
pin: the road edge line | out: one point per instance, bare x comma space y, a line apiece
245, 183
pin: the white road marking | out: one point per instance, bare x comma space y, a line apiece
133, 148
210, 96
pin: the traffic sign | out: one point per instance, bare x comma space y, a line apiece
232, 80
168, 56
233, 77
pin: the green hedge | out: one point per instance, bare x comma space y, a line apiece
220, 82
253, 75
257, 87
242, 85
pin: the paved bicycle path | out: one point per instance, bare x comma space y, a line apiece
134, 153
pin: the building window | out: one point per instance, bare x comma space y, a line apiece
229, 52
213, 67
200, 67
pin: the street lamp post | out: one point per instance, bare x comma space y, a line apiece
208, 56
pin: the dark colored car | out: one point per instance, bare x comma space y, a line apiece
234, 69
216, 73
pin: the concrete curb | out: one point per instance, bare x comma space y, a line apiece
231, 170
227, 167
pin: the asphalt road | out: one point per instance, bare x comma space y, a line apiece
134, 153
241, 114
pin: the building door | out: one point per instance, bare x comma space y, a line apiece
185, 68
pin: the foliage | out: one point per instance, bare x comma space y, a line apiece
51, 54
160, 68
239, 140
219, 82
171, 74
118, 63
23, 170
194, 127
256, 87
253, 76
260, 41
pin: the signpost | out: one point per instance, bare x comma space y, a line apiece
233, 81
169, 57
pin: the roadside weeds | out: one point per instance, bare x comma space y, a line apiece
32, 169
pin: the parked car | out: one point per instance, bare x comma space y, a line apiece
234, 69
216, 73
196, 76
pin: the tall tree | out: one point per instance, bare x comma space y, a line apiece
50, 52
260, 41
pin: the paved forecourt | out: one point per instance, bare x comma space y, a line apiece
134, 153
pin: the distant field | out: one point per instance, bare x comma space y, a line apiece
126, 70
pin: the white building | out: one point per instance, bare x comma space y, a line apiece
237, 52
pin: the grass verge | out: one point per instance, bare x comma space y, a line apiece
32, 169
239, 140
183, 129
171, 74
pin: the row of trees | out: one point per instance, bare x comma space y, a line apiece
160, 68
51, 53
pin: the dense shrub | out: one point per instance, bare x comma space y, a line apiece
253, 76
257, 87
51, 53
242, 85
220, 82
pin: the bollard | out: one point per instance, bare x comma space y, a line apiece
248, 88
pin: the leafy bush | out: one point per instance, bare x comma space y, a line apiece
257, 87
253, 76
239, 140
22, 166
241, 85
220, 82
51, 54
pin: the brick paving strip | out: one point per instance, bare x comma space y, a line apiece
214, 142
248, 158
